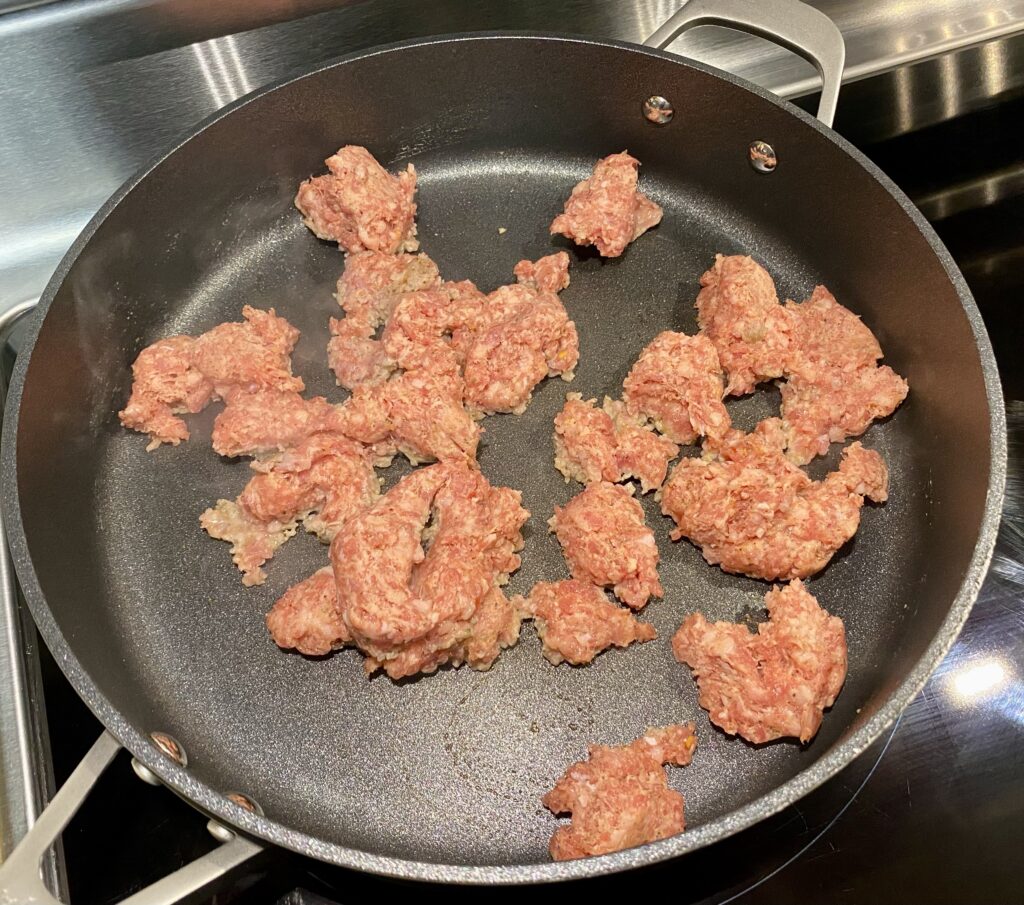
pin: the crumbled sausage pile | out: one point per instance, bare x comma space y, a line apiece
416, 575
184, 374
575, 621
677, 383
607, 545
322, 482
360, 205
832, 388
609, 444
753, 512
606, 542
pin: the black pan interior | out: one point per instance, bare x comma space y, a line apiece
451, 768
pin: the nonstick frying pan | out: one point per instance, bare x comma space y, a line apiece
441, 778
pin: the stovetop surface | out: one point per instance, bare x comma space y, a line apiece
933, 812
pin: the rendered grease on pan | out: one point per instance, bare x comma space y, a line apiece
416, 575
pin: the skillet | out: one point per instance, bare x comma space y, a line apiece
441, 778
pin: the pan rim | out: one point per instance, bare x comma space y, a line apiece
211, 801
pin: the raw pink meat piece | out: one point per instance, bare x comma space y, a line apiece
418, 574
606, 210
605, 541
619, 797
609, 444
753, 512
183, 374
677, 383
739, 311
322, 482
576, 621
307, 618
360, 205
835, 388
774, 683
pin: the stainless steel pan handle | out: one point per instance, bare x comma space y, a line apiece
20, 876
789, 23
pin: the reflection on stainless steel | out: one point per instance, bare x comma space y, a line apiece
791, 24
96, 88
93, 32
244, 801
222, 69
1008, 560
144, 773
931, 92
948, 82
22, 881
9, 6
879, 35
917, 31
903, 96
170, 747
992, 188
995, 66
18, 804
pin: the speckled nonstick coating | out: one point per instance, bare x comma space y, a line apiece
441, 778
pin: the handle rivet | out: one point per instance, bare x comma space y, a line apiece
658, 110
222, 833
762, 156
244, 801
170, 747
